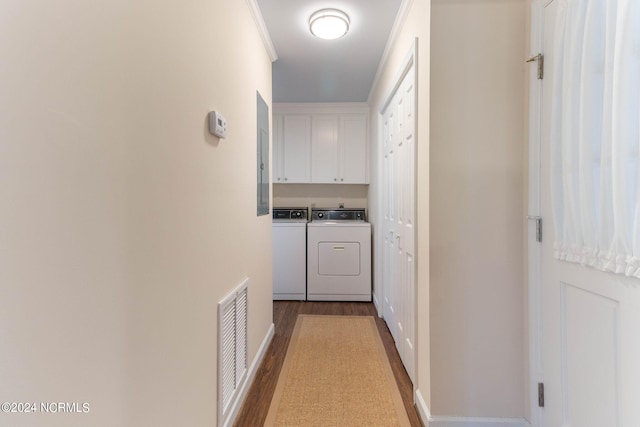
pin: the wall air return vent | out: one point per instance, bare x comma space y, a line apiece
232, 349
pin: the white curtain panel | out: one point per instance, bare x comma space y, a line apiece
595, 134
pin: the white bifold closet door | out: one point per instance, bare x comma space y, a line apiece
398, 199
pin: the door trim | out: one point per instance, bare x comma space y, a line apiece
409, 60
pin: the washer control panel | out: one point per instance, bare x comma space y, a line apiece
290, 213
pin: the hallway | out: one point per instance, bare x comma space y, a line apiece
285, 313
125, 222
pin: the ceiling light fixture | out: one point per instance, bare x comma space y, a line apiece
329, 24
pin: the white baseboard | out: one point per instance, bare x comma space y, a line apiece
253, 369
423, 409
376, 304
436, 421
443, 421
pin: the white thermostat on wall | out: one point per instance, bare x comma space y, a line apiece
217, 124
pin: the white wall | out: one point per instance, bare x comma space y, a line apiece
122, 221
320, 195
477, 216
415, 25
470, 205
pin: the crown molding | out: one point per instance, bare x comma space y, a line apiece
262, 29
401, 17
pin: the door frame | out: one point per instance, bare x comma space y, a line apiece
410, 60
534, 248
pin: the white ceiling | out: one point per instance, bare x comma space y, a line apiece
309, 69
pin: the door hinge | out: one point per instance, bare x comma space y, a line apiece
541, 395
540, 59
538, 220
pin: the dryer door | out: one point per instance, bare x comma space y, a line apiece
339, 258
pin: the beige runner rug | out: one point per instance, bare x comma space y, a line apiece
336, 373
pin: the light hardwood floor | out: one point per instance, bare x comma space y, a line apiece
256, 405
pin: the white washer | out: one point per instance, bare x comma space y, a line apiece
290, 253
338, 255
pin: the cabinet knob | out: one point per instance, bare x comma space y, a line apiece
335, 179
341, 179
278, 178
286, 179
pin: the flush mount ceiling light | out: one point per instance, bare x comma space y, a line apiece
329, 24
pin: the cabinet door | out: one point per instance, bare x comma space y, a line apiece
296, 149
278, 149
324, 149
353, 157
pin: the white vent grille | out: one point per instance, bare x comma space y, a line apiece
232, 347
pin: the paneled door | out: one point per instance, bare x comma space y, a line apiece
589, 320
398, 199
296, 146
324, 149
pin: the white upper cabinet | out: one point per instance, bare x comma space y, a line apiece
324, 149
321, 143
353, 149
277, 161
292, 149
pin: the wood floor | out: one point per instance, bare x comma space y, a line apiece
255, 407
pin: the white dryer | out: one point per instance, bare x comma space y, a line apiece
338, 255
